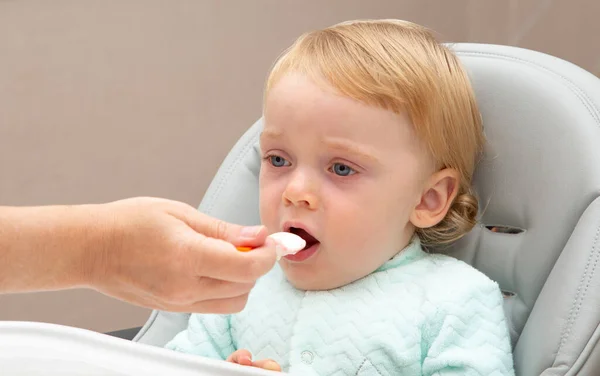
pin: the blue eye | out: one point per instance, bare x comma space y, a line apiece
342, 170
278, 161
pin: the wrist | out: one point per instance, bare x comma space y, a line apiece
97, 234
76, 242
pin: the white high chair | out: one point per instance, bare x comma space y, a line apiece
539, 184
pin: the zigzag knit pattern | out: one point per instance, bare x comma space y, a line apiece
419, 314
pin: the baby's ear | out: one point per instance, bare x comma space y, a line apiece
436, 199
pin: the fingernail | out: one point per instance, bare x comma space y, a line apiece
251, 231
271, 366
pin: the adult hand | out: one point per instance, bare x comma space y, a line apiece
166, 255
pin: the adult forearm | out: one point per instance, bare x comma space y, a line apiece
50, 247
152, 252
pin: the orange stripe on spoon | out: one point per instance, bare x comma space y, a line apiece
287, 244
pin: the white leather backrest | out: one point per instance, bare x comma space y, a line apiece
540, 174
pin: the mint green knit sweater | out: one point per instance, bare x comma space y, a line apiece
418, 314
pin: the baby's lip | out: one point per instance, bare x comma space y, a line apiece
303, 231
287, 226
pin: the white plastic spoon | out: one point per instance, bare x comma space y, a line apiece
287, 244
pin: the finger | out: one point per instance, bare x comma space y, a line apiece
268, 364
210, 288
215, 306
206, 289
218, 229
212, 306
242, 357
219, 259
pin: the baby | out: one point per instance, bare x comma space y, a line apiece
370, 139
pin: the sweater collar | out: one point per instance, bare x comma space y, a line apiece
412, 252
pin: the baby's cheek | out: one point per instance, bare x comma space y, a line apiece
366, 242
357, 242
269, 205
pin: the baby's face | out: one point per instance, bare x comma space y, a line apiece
343, 175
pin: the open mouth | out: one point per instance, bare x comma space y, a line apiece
308, 238
309, 250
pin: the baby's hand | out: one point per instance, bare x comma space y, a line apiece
244, 358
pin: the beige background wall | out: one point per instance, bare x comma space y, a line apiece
102, 100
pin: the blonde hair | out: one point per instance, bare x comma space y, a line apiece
400, 66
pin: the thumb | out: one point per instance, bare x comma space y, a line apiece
211, 227
253, 236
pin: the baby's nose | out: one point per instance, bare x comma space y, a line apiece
302, 191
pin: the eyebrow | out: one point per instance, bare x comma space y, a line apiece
338, 144
352, 148
271, 134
